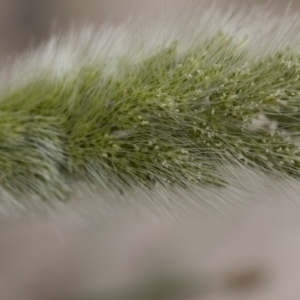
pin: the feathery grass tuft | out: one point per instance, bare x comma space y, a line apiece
171, 118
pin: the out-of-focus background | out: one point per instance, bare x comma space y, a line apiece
25, 23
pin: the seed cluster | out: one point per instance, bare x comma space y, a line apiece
173, 118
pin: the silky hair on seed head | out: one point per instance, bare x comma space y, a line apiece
168, 104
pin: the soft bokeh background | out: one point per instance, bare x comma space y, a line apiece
25, 23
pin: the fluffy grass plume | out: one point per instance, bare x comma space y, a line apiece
167, 104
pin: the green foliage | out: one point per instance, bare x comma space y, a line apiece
172, 118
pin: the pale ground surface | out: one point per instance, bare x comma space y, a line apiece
253, 254
263, 246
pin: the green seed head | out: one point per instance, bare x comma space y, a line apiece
168, 115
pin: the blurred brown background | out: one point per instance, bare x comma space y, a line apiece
25, 23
